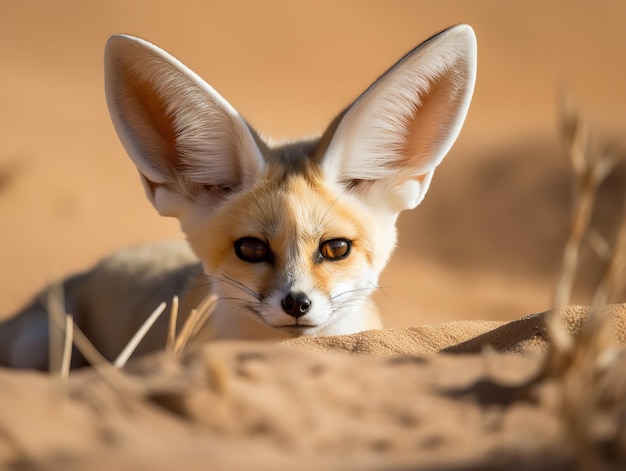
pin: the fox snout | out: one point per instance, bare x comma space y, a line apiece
296, 304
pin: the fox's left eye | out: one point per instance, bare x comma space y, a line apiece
335, 249
252, 250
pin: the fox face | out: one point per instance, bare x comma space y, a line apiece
292, 237
293, 254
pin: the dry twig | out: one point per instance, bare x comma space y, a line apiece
59, 318
131, 346
197, 319
579, 363
171, 331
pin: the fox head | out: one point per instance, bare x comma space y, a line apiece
293, 237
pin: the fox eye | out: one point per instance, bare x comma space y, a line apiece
335, 249
252, 250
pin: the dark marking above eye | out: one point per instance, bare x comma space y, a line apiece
253, 250
335, 249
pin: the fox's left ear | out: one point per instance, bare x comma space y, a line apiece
386, 145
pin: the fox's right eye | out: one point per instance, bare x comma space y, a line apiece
252, 250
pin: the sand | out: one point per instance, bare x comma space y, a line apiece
485, 244
376, 400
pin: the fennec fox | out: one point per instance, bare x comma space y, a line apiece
291, 237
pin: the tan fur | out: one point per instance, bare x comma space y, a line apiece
260, 217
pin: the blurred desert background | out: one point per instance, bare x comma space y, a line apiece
488, 239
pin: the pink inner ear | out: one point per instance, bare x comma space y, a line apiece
429, 125
150, 107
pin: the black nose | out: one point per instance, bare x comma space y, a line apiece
296, 304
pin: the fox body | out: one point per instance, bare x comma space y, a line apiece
291, 237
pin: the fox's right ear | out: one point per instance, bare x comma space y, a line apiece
188, 143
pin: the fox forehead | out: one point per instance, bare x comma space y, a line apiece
296, 208
293, 210
292, 199
291, 207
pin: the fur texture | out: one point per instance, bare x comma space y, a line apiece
292, 238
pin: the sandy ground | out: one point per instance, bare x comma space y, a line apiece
310, 405
487, 241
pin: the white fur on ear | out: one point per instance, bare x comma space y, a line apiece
396, 133
181, 134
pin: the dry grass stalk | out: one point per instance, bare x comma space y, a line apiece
589, 406
113, 376
67, 347
613, 269
171, 331
205, 310
590, 421
591, 168
55, 302
197, 319
599, 244
131, 346
596, 333
580, 363
59, 318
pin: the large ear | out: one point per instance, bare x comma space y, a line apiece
188, 142
387, 144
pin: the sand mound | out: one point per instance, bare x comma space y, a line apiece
308, 404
